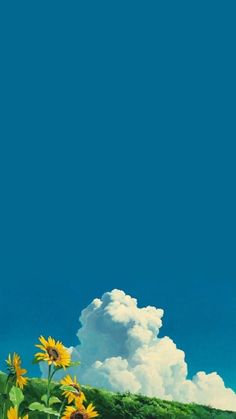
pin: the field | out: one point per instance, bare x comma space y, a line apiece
123, 406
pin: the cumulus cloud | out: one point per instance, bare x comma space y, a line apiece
120, 350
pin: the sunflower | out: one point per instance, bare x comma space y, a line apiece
80, 412
13, 414
15, 370
71, 396
53, 353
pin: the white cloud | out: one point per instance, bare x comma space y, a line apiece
120, 350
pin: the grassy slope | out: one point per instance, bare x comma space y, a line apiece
127, 406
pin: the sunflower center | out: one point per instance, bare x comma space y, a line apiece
76, 387
52, 352
78, 415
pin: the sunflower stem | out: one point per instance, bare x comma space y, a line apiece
5, 393
62, 408
48, 387
53, 372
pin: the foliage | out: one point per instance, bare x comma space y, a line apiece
122, 406
24, 398
43, 399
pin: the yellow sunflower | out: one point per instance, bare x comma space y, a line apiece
13, 414
53, 352
71, 396
15, 370
80, 412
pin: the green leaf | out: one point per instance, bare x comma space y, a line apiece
35, 361
54, 400
74, 364
44, 398
58, 368
42, 408
16, 396
69, 388
36, 406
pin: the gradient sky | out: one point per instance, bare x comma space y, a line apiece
118, 169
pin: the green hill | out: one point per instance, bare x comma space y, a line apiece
124, 406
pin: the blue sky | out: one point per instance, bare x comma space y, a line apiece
118, 170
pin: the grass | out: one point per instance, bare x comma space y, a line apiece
124, 406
